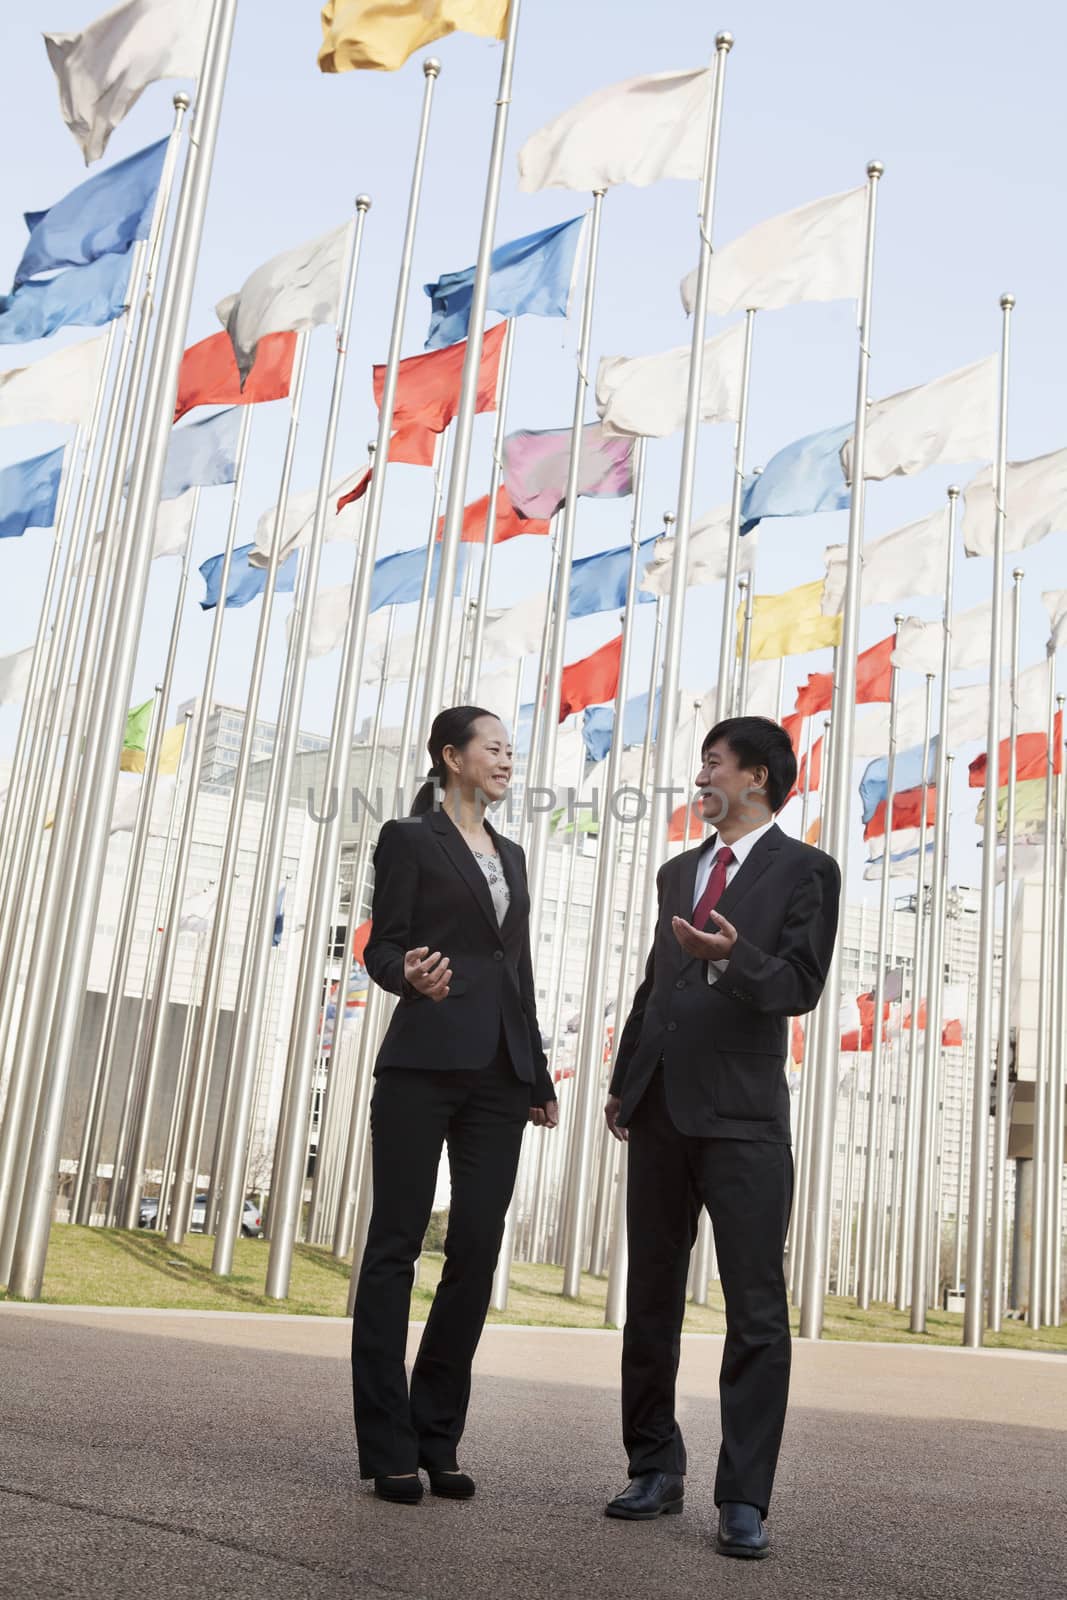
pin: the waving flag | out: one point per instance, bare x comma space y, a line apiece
1031, 757
531, 276
516, 631
202, 454
788, 624
953, 418
906, 562
208, 375
15, 676
598, 725
397, 579
907, 774
298, 523
591, 681
427, 390
103, 70
57, 388
135, 738
507, 525
709, 544
907, 812
298, 289
82, 297
1036, 498
903, 857
800, 479
29, 491
536, 465
598, 582
921, 642
636, 132
104, 214
649, 395
384, 33
1055, 603
246, 582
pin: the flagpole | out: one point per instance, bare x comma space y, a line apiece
80, 874
411, 701
538, 716
668, 712
503, 391
539, 825
744, 585
868, 1223
1045, 1043
590, 1043
1002, 1113
248, 1027
727, 656
1059, 1055
974, 1310
836, 845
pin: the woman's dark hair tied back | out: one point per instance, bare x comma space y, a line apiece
452, 727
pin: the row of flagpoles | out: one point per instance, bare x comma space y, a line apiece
121, 250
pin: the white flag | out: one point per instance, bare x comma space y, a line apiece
103, 70
907, 562
298, 524
647, 395
516, 631
919, 643
58, 388
496, 692
329, 617
709, 541
198, 910
299, 289
951, 419
904, 853
15, 676
968, 714
1036, 495
1056, 606
127, 798
813, 253
174, 521
635, 132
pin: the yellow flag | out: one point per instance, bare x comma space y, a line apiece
170, 752
383, 33
1029, 810
789, 624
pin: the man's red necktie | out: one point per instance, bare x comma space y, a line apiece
715, 886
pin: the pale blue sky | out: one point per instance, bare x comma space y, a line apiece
965, 111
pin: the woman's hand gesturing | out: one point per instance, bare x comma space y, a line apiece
429, 974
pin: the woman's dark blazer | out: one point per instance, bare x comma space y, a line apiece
429, 890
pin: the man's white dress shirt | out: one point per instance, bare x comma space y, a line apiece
741, 849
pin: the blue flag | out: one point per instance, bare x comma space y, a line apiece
279, 917
397, 578
521, 732
103, 215
245, 582
598, 583
28, 493
530, 276
805, 477
907, 774
598, 725
82, 297
202, 454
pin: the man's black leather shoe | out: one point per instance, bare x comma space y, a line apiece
741, 1532
648, 1495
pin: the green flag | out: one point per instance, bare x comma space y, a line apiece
135, 739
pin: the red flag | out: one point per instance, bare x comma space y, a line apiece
359, 941
411, 446
509, 524
796, 1042
816, 694
794, 727
427, 388
1031, 757
952, 1033
208, 374
676, 827
907, 811
592, 681
816, 769
874, 669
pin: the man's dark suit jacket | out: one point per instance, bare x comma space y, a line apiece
429, 890
724, 1044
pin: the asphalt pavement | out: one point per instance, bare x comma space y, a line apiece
167, 1456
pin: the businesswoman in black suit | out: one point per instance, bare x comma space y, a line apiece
461, 1065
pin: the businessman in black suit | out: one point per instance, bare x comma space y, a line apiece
743, 942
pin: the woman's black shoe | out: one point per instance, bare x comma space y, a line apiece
406, 1491
453, 1485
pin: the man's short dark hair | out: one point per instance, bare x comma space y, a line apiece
759, 742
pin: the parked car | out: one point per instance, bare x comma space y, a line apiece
251, 1220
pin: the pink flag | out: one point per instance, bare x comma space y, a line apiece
535, 467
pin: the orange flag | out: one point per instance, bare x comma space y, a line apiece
803, 782
796, 1042
874, 670
411, 446
427, 389
676, 827
592, 681
509, 524
208, 375
359, 941
1031, 757
816, 694
814, 832
907, 812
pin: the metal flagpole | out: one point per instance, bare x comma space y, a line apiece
539, 713
728, 665
81, 876
974, 1310
998, 1210
248, 1028
167, 1171
964, 1081
411, 702
1059, 1058
744, 585
457, 486
1044, 1025
868, 1220
668, 711
214, 967
590, 1045
503, 390
161, 984
841, 744
539, 821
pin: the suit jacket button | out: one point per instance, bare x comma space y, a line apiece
672, 1027
680, 983
498, 955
